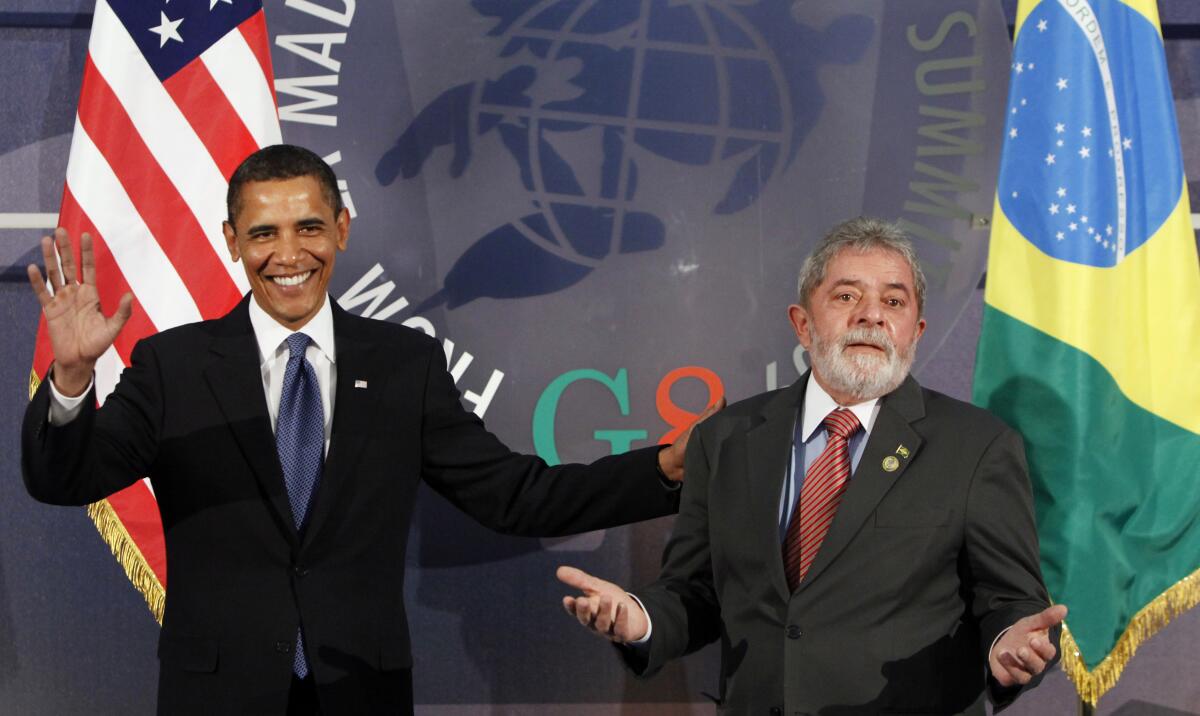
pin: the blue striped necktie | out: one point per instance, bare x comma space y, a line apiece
300, 442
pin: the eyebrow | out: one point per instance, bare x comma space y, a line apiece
302, 223
856, 283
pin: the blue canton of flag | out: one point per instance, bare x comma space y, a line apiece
171, 35
1081, 134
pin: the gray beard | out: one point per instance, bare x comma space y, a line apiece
864, 377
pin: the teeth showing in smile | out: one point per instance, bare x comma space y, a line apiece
292, 280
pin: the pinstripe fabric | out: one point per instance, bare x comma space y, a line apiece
819, 497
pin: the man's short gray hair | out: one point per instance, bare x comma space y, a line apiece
861, 234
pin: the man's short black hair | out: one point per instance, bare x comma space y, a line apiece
282, 161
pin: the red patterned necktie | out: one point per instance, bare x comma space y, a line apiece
823, 487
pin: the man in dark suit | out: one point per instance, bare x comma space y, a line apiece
285, 442
857, 543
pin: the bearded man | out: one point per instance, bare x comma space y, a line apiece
857, 543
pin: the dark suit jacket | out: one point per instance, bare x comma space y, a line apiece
922, 567
190, 413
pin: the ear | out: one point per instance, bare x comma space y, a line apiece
231, 241
801, 324
920, 331
343, 229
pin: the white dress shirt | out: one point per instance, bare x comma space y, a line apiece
273, 357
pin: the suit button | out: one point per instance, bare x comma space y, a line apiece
793, 631
283, 647
299, 570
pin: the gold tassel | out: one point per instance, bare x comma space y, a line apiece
114, 534
1091, 685
143, 578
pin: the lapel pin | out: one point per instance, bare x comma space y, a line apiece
890, 463
360, 384
902, 451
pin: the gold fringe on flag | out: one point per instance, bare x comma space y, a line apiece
114, 534
1091, 685
129, 556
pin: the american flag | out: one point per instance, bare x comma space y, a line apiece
174, 96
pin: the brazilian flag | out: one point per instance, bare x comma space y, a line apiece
1091, 329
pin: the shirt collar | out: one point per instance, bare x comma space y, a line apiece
818, 404
269, 334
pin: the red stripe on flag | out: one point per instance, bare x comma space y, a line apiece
157, 201
110, 282
214, 119
138, 511
42, 355
255, 31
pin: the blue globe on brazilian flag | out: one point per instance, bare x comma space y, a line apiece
1091, 332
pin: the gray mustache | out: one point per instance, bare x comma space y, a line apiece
871, 336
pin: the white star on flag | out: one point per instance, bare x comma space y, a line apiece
1084, 152
213, 3
1086, 131
1059, 235
1054, 208
1049, 158
167, 29
1060, 128
1062, 191
1070, 208
1019, 68
1041, 26
1127, 143
1013, 132
1061, 84
1072, 226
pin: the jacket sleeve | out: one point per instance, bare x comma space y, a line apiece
101, 451
520, 494
682, 604
1002, 549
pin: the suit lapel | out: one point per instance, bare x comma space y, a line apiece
871, 481
235, 379
768, 451
361, 374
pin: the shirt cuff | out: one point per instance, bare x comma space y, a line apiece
994, 642
643, 644
63, 409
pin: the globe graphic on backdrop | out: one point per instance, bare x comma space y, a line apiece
591, 91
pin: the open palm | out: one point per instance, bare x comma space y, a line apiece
79, 331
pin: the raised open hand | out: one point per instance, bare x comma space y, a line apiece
79, 331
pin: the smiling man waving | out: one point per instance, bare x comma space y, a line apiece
285, 442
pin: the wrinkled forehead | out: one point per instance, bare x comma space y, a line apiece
875, 266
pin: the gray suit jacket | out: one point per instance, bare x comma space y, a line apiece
922, 568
